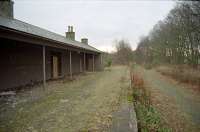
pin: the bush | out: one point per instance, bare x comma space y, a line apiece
109, 63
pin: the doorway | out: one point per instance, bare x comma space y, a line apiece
56, 65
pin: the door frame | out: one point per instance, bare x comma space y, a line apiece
59, 63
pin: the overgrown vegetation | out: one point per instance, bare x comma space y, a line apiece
175, 40
149, 119
75, 106
182, 73
175, 44
107, 59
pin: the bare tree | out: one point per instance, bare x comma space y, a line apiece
175, 40
124, 53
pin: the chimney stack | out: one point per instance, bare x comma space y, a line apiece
6, 8
70, 34
84, 40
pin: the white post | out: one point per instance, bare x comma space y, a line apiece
44, 65
70, 64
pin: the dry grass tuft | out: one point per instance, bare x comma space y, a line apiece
183, 74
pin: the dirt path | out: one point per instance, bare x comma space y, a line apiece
179, 105
84, 104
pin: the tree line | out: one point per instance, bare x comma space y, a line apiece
122, 55
175, 40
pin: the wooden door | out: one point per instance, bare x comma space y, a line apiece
55, 67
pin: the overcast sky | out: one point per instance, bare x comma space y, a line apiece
101, 22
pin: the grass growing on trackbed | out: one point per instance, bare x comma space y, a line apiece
149, 119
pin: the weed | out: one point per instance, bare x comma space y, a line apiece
149, 119
130, 98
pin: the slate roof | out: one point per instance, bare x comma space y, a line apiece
34, 30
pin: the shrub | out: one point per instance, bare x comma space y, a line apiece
108, 63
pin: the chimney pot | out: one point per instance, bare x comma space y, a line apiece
68, 28
70, 34
84, 40
71, 28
